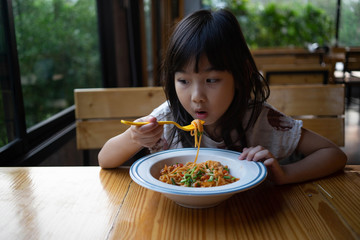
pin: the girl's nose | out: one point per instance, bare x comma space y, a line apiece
198, 94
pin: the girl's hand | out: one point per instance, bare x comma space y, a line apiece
147, 135
259, 154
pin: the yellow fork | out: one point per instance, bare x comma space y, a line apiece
185, 128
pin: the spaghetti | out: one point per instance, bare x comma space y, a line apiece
197, 132
205, 174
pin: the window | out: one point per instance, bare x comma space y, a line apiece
56, 50
349, 31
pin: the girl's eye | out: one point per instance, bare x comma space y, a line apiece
210, 80
182, 81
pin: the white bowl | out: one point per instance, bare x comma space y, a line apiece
146, 172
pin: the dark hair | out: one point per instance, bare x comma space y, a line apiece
218, 36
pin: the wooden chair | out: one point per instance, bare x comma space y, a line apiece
320, 107
99, 111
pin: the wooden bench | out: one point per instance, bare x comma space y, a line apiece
99, 111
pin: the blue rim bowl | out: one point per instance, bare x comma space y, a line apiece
146, 171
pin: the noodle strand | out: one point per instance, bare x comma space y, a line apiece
197, 132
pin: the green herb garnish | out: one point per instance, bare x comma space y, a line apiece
211, 179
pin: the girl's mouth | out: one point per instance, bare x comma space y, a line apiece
201, 114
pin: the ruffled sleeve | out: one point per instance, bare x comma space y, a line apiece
279, 133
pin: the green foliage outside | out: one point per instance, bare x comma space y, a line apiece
287, 27
281, 24
58, 51
350, 24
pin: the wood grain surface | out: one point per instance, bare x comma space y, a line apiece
93, 203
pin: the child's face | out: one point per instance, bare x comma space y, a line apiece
207, 94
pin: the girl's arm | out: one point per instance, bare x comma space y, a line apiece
322, 157
121, 148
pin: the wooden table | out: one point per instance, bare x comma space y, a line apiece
90, 203
296, 73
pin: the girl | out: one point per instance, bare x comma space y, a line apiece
209, 74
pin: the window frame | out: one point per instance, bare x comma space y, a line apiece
16, 146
